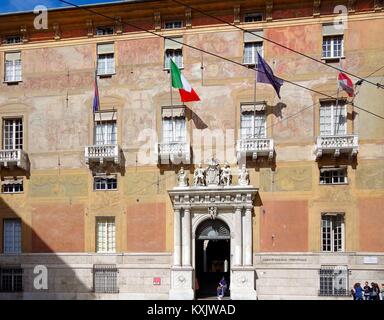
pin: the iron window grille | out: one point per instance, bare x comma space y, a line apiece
105, 278
11, 280
13, 39
333, 281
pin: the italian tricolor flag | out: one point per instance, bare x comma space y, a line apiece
187, 94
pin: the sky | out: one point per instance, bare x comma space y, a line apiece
28, 5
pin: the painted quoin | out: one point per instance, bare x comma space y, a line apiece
152, 198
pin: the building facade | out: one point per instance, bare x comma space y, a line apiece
148, 196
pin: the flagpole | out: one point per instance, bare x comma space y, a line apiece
98, 107
170, 83
337, 98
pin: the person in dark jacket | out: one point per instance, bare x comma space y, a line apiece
375, 291
367, 291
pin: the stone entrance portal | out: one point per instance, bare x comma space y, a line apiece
212, 256
213, 197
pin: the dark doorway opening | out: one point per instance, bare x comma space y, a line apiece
212, 257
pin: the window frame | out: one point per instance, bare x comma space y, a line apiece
252, 14
14, 183
16, 63
254, 52
13, 140
333, 234
341, 105
14, 37
102, 274
17, 237
110, 247
332, 177
105, 183
332, 47
173, 22
173, 121
16, 274
104, 28
253, 126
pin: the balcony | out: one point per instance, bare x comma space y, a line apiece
256, 147
176, 152
335, 145
103, 153
14, 158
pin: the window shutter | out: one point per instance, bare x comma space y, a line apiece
173, 112
249, 37
105, 48
171, 45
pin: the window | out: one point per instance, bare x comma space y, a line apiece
13, 134
12, 236
105, 59
103, 31
333, 118
253, 121
252, 45
332, 225
253, 17
333, 47
173, 24
105, 278
12, 67
9, 185
105, 129
13, 39
174, 51
11, 280
333, 176
105, 234
174, 125
105, 182
333, 281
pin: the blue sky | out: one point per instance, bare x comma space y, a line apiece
28, 5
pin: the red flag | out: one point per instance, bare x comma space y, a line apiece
346, 84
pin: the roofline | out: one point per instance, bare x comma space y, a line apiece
116, 2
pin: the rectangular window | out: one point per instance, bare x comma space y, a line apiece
333, 281
252, 44
103, 31
333, 47
105, 132
13, 134
253, 121
12, 67
174, 125
105, 59
13, 39
174, 51
105, 278
105, 182
9, 185
105, 235
332, 225
253, 17
333, 119
173, 24
333, 176
11, 236
11, 280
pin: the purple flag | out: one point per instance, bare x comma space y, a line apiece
96, 100
265, 75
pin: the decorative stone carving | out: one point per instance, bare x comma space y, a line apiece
188, 18
198, 176
236, 14
157, 18
56, 28
243, 176
316, 8
213, 173
24, 34
89, 28
268, 9
378, 5
213, 212
118, 25
351, 6
226, 176
182, 178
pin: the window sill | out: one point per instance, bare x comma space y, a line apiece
6, 193
334, 184
169, 69
13, 83
109, 75
250, 65
105, 190
332, 59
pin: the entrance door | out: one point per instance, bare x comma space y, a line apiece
212, 251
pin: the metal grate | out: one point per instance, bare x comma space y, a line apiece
333, 281
213, 229
11, 280
105, 278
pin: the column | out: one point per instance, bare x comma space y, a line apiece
238, 237
247, 236
176, 237
186, 225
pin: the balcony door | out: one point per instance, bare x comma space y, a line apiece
253, 122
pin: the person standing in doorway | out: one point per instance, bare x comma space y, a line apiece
222, 287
